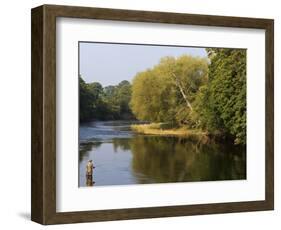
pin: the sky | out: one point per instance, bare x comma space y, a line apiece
109, 63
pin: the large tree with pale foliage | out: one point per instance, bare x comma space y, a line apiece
166, 92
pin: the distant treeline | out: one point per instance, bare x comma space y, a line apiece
108, 103
198, 93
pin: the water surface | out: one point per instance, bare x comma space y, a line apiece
122, 157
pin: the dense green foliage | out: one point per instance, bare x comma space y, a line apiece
108, 103
221, 104
189, 91
166, 92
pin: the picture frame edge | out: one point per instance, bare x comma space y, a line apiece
43, 98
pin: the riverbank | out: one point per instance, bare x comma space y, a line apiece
157, 129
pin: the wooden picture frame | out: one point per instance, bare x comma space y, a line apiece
43, 188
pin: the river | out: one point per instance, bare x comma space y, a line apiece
122, 157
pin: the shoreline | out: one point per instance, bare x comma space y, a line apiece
156, 129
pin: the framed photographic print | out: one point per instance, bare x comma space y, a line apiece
140, 114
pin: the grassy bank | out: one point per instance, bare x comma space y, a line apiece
164, 130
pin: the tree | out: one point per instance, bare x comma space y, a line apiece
222, 103
85, 101
124, 92
109, 103
166, 92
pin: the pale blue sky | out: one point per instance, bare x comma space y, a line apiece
109, 64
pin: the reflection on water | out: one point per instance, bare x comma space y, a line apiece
138, 159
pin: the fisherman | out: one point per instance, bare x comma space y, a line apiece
89, 168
